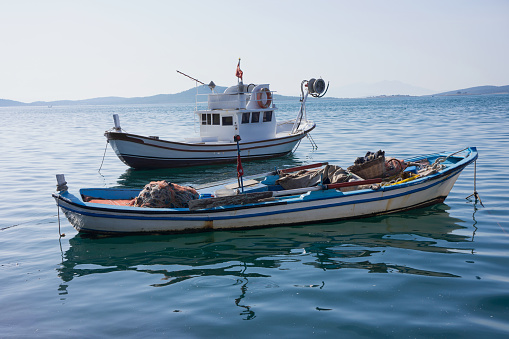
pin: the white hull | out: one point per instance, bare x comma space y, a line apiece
144, 152
324, 206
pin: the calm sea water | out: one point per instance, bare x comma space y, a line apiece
435, 272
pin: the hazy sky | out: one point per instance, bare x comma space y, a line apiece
53, 50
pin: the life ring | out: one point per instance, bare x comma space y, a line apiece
259, 99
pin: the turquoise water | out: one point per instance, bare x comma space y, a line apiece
435, 272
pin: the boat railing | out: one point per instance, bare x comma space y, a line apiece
201, 101
216, 101
213, 101
286, 122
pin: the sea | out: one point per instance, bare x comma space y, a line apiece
435, 272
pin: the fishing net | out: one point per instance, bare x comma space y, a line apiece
163, 194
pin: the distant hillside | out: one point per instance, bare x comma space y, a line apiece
188, 96
7, 103
382, 88
479, 90
392, 88
185, 97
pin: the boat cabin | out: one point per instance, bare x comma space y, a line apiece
245, 110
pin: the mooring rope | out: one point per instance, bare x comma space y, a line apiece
26, 222
475, 194
38, 220
296, 146
58, 216
104, 155
312, 141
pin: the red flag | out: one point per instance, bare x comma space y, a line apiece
239, 72
240, 170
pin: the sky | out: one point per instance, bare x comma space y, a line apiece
71, 50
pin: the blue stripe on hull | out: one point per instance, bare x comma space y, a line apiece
290, 209
292, 206
197, 230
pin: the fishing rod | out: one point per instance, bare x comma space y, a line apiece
190, 77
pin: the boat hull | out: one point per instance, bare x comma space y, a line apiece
311, 207
145, 152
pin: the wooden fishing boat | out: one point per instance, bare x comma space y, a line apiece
246, 110
262, 200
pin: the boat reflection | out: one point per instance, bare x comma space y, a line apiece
238, 255
198, 175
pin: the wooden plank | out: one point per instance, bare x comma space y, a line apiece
354, 183
299, 168
246, 183
117, 202
241, 199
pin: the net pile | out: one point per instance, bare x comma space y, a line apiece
163, 194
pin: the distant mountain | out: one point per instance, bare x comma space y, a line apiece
383, 88
188, 96
479, 90
7, 103
185, 97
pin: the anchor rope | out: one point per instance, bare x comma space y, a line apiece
104, 155
312, 141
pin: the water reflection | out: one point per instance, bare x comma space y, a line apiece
198, 175
475, 222
239, 255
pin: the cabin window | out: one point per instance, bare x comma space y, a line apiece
210, 119
267, 116
227, 121
215, 119
255, 117
245, 118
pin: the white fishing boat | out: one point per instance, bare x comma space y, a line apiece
245, 110
310, 194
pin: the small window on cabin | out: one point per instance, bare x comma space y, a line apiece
245, 118
215, 119
209, 117
204, 119
227, 121
267, 116
255, 117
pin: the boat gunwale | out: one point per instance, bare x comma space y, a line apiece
169, 211
171, 217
